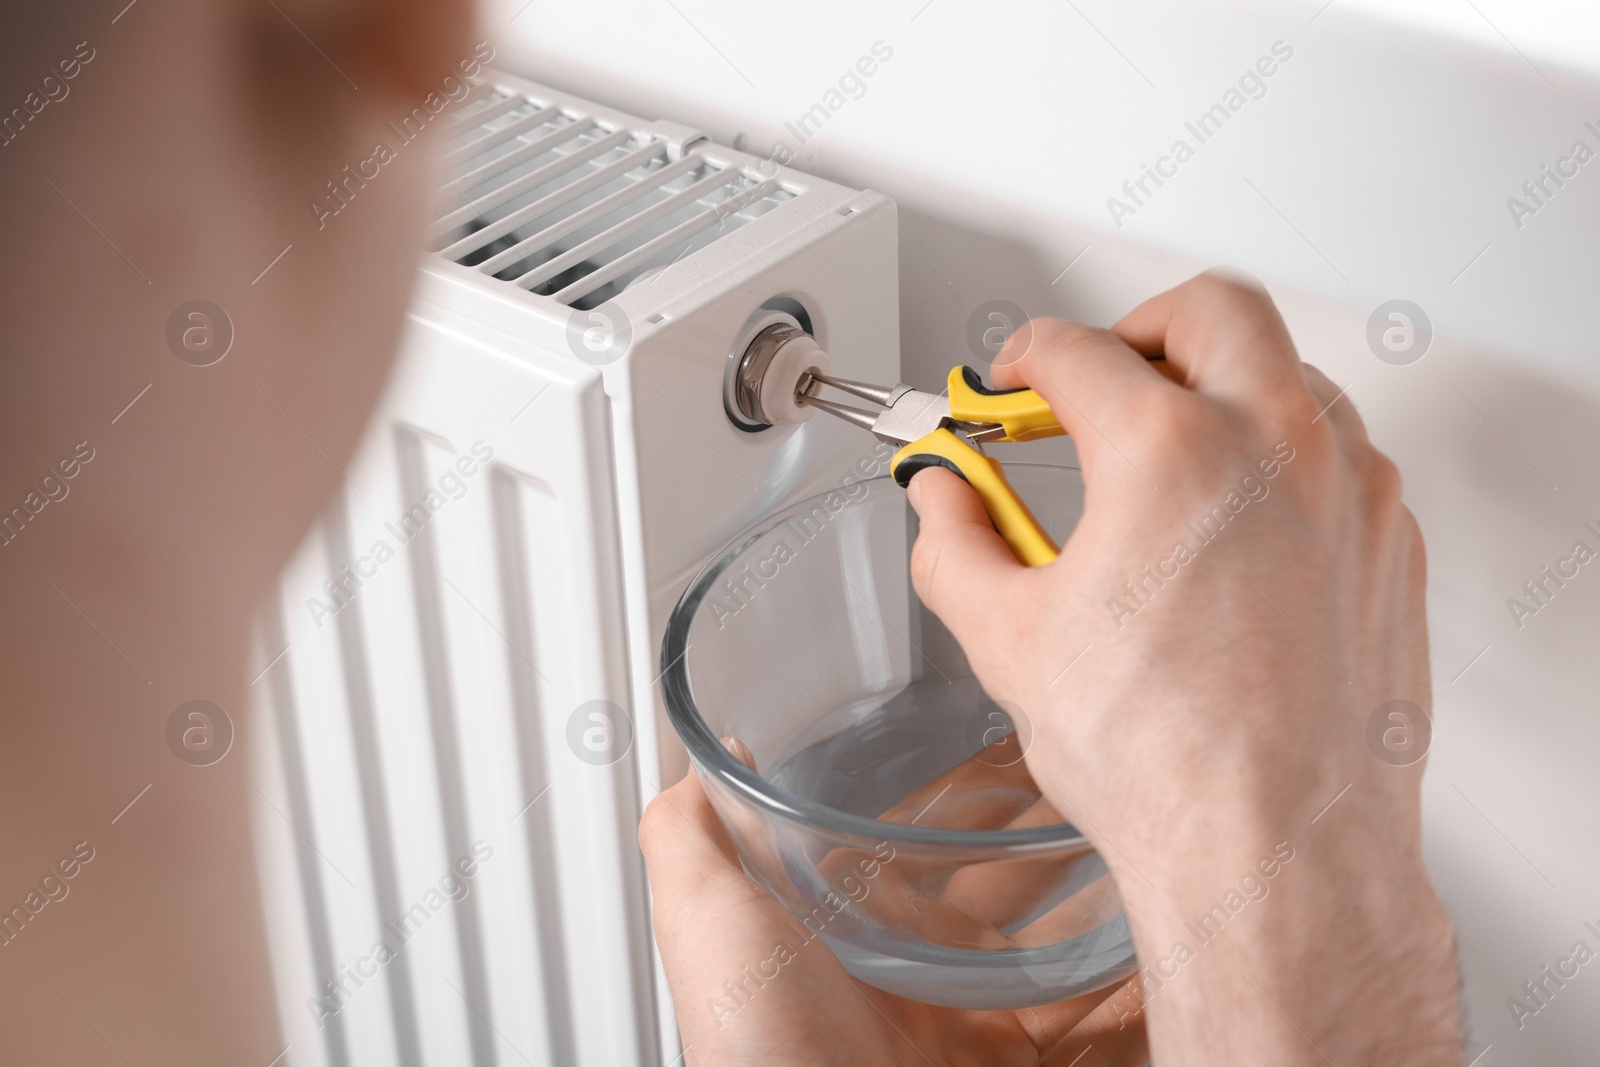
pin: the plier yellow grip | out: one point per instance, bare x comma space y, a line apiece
1021, 412
1011, 517
946, 431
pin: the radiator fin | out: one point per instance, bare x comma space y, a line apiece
575, 207
429, 648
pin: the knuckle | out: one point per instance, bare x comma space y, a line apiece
1289, 406
1334, 405
1380, 479
1315, 378
1231, 286
1220, 309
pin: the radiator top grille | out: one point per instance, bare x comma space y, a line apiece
577, 208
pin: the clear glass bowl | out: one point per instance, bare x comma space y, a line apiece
877, 791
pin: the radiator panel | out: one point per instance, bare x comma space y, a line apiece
419, 719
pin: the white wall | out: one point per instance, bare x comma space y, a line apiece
1376, 166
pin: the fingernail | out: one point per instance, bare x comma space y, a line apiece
740, 751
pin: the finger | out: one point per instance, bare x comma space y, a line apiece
982, 792
718, 931
740, 751
1055, 1027
688, 856
1221, 333
1004, 894
1090, 907
976, 794
1112, 1035
1102, 392
959, 560
987, 791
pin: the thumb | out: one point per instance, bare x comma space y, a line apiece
959, 561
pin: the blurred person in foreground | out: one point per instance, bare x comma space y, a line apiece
167, 150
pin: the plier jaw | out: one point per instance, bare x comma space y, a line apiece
905, 414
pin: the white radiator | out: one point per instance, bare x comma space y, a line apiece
457, 716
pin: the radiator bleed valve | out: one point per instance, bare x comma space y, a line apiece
776, 367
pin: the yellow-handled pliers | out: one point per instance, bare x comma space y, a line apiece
945, 431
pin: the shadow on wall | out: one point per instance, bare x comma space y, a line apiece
1499, 466
962, 290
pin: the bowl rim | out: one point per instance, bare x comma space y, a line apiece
708, 754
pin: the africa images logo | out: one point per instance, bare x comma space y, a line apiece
199, 332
